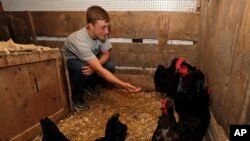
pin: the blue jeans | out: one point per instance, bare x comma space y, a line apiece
81, 81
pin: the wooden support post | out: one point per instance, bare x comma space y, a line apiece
198, 5
31, 27
163, 37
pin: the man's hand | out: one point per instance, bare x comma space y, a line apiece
87, 70
132, 88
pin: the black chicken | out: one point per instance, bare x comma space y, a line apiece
51, 131
191, 94
185, 84
167, 128
115, 130
166, 80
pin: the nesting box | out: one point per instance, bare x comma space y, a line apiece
32, 87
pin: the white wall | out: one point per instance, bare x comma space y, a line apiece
109, 5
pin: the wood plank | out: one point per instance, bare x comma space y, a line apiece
135, 71
169, 52
29, 133
243, 44
59, 24
139, 80
134, 24
184, 26
163, 31
134, 54
52, 44
146, 55
143, 55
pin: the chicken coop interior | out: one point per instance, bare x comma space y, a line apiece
212, 35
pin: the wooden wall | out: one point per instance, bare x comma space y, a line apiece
162, 26
224, 57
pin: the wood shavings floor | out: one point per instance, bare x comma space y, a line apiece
138, 111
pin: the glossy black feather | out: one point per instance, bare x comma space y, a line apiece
51, 131
115, 130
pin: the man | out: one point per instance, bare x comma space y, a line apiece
87, 52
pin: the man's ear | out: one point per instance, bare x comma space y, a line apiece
91, 26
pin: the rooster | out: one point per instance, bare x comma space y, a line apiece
115, 130
191, 94
51, 131
167, 128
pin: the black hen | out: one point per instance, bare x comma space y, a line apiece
191, 94
166, 80
51, 131
194, 114
115, 130
167, 128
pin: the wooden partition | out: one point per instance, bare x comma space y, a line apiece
225, 59
158, 26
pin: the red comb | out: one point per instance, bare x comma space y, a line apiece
164, 106
178, 62
183, 70
209, 90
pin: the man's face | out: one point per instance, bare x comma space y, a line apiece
101, 29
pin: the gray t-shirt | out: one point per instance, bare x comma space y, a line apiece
80, 45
